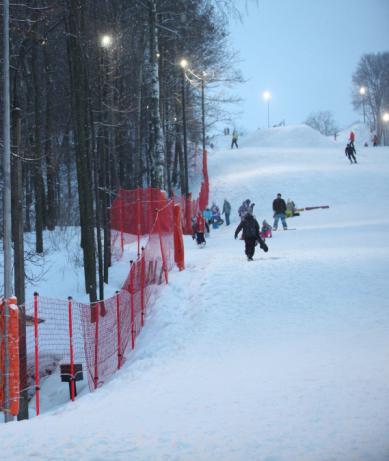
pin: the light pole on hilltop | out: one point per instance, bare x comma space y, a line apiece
184, 65
362, 92
267, 97
385, 119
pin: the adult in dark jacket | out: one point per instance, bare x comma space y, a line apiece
279, 209
227, 211
350, 151
250, 228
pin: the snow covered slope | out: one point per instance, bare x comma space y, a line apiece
287, 136
285, 358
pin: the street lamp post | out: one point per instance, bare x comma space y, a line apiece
362, 92
184, 65
203, 107
267, 97
385, 119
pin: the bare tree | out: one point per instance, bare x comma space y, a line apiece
372, 73
323, 122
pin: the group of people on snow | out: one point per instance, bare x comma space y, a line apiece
252, 233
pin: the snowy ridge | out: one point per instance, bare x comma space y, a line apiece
286, 136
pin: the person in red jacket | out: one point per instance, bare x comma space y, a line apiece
199, 226
352, 137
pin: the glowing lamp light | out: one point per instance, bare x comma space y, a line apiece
362, 91
385, 117
266, 95
106, 41
184, 63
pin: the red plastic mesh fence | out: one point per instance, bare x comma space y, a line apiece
99, 335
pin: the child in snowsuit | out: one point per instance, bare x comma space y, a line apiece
350, 151
199, 227
250, 228
291, 209
246, 207
265, 230
216, 219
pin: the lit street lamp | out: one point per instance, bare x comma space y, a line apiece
184, 65
267, 97
106, 41
362, 92
385, 119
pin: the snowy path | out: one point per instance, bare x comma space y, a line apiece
281, 359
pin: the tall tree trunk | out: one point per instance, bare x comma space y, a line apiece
157, 143
39, 189
50, 162
80, 120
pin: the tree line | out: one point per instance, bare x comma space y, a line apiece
98, 102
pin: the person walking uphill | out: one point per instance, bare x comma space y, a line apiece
250, 228
234, 139
350, 151
227, 211
279, 208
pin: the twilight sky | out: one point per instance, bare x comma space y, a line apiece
304, 52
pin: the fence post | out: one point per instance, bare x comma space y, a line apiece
138, 217
72, 391
164, 266
142, 290
179, 251
97, 313
119, 338
121, 225
36, 350
132, 306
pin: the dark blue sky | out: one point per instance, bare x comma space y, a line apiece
305, 52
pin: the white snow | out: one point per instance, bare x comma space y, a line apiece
285, 358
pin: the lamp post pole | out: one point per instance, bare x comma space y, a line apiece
203, 109
385, 119
267, 97
7, 235
183, 65
362, 92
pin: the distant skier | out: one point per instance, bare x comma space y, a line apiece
350, 151
234, 139
279, 209
251, 235
351, 137
227, 211
375, 140
246, 207
199, 228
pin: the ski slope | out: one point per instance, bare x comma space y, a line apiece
285, 358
